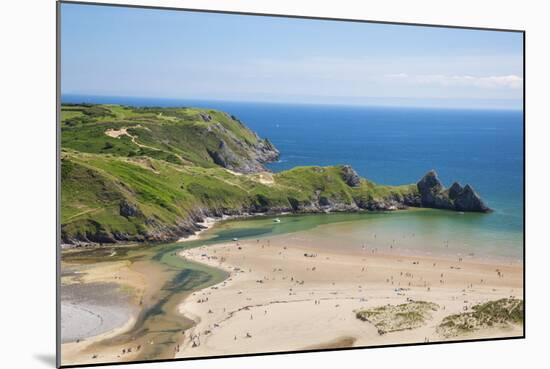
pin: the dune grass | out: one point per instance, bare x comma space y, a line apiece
492, 314
392, 318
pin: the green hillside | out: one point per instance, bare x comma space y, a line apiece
184, 136
151, 174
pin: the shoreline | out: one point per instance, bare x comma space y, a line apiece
107, 289
205, 225
210, 221
143, 336
411, 251
278, 299
186, 307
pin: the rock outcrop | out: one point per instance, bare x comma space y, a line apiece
205, 117
235, 153
256, 155
350, 176
265, 152
469, 200
434, 195
127, 209
225, 157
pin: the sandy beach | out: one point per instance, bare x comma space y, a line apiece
101, 302
293, 291
284, 293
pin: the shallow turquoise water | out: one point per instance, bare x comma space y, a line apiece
425, 231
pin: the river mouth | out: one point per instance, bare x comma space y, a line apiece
159, 327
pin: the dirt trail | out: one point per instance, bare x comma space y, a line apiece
117, 133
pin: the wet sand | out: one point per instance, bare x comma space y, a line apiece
150, 282
96, 299
92, 309
286, 293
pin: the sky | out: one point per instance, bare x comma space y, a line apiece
113, 51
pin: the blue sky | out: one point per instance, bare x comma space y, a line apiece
114, 51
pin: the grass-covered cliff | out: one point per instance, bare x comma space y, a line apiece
151, 174
187, 136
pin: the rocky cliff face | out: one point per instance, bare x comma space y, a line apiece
127, 209
156, 231
350, 176
434, 195
252, 161
266, 152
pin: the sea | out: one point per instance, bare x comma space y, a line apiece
392, 145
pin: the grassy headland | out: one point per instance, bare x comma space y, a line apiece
152, 174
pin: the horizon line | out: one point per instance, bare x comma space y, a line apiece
259, 101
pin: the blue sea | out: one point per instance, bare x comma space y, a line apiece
392, 145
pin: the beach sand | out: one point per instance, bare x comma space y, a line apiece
100, 302
295, 291
285, 294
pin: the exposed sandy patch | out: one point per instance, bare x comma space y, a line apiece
265, 178
233, 172
116, 133
108, 272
